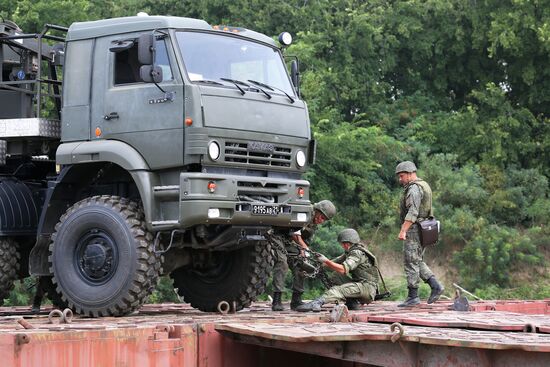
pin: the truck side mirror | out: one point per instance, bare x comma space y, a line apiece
295, 75
150, 73
146, 49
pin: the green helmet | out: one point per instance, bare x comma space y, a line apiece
349, 235
405, 166
326, 207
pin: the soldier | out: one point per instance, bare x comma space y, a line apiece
415, 206
283, 244
356, 275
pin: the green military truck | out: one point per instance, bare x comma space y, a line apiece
136, 147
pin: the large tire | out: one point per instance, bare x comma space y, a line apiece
102, 257
239, 276
9, 266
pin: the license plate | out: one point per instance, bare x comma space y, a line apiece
265, 210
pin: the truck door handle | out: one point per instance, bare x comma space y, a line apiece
111, 116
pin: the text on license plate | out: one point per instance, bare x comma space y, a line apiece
265, 210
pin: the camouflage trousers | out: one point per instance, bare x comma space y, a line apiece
415, 267
345, 288
281, 267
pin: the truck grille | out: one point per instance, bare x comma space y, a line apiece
254, 191
237, 152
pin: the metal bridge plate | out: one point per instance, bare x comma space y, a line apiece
490, 320
361, 331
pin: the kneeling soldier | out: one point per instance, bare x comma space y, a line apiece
356, 275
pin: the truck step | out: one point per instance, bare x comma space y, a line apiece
162, 223
166, 192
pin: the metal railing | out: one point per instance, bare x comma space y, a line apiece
35, 86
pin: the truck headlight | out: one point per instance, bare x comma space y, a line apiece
213, 150
300, 158
285, 39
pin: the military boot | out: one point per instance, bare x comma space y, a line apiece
296, 300
437, 289
412, 298
314, 305
353, 304
277, 305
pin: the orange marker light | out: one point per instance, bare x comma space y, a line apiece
97, 132
188, 121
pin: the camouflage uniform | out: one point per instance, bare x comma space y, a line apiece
284, 244
361, 278
416, 205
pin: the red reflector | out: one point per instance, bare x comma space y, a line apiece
211, 186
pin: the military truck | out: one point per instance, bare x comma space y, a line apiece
143, 146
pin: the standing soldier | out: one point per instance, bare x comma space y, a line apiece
356, 275
415, 206
283, 244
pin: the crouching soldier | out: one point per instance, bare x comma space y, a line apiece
356, 275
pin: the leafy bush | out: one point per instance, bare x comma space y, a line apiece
493, 255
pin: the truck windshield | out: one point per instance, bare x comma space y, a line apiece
211, 57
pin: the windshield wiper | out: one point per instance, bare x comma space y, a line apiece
270, 87
206, 81
236, 82
263, 91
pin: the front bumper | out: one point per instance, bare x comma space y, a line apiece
234, 196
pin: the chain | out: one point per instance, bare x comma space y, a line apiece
309, 261
301, 258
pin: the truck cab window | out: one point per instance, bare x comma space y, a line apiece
127, 64
162, 60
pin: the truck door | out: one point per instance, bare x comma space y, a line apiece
126, 109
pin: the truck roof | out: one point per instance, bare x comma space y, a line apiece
104, 27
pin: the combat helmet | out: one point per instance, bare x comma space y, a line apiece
349, 235
405, 166
326, 207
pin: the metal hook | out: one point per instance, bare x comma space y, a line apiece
400, 331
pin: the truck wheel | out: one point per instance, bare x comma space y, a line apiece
9, 266
237, 276
102, 257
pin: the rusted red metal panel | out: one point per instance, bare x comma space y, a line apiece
371, 343
401, 353
357, 331
474, 320
147, 347
541, 307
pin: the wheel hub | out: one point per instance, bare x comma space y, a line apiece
96, 256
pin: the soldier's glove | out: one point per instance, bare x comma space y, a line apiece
321, 258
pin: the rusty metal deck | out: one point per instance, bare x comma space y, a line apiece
178, 335
501, 321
